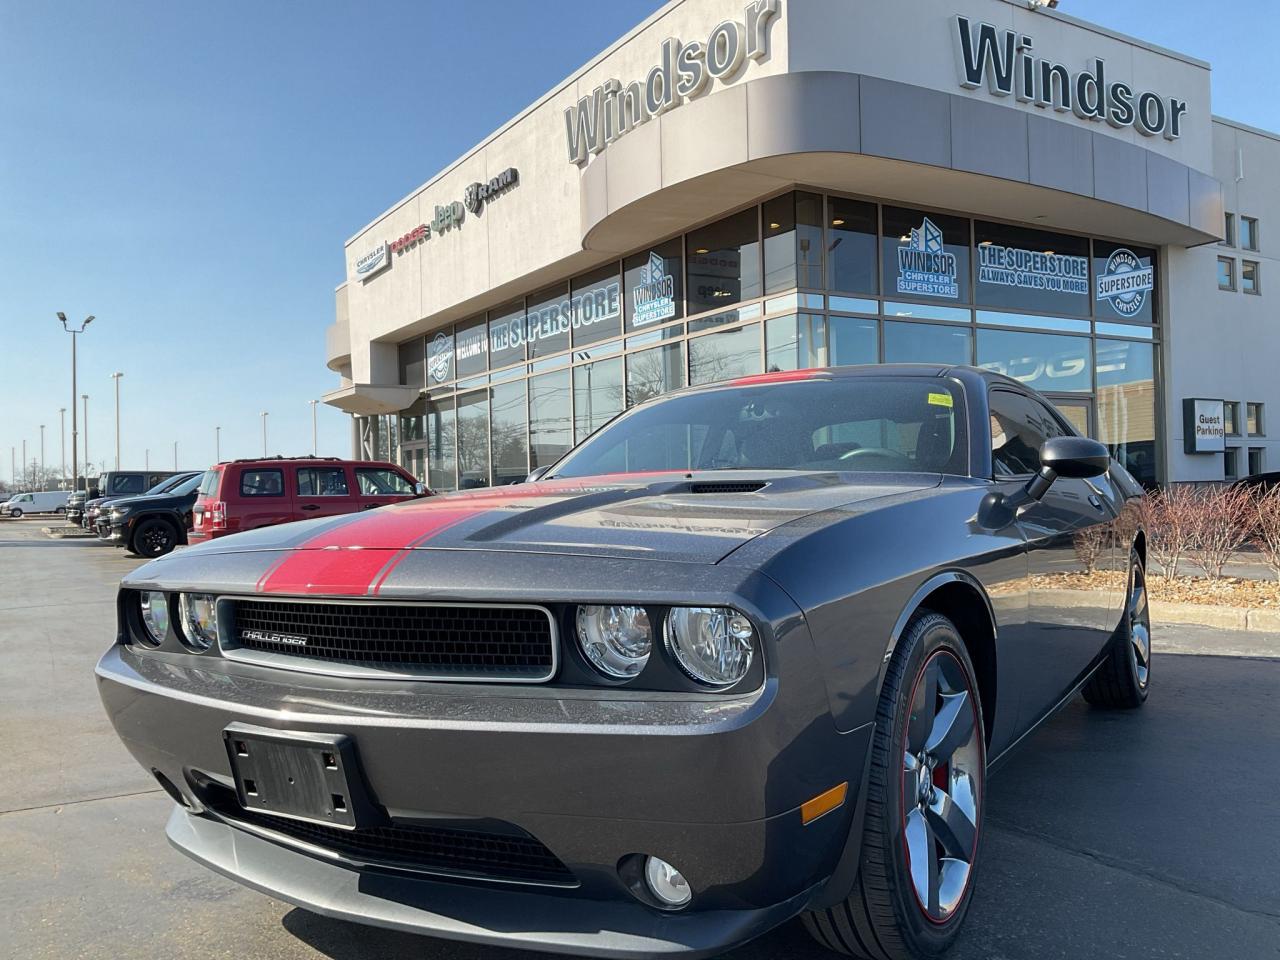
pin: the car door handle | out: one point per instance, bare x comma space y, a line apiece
1093, 499
310, 506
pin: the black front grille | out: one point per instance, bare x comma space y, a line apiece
449, 851
458, 642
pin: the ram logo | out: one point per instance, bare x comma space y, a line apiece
263, 636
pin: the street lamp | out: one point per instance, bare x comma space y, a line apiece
87, 465
116, 377
62, 435
314, 451
40, 478
264, 433
175, 456
147, 459
26, 472
217, 444
74, 437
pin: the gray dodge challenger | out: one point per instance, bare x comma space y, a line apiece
746, 654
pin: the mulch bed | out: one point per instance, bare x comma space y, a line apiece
1224, 592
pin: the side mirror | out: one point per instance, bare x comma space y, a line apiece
420, 489
537, 474
1073, 457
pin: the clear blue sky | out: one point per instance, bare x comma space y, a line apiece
188, 173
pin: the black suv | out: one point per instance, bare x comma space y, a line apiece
151, 525
94, 507
113, 483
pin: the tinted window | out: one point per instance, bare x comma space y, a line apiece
1124, 282
548, 322
322, 482
262, 483
851, 340
128, 483
381, 483
509, 432
209, 483
723, 356
854, 424
1019, 428
597, 395
595, 305
655, 371
724, 262
190, 485
1044, 361
793, 242
851, 258
506, 334
1024, 269
473, 440
925, 255
654, 283
549, 424
924, 343
471, 348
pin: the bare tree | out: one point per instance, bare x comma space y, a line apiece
1166, 515
1266, 527
1220, 525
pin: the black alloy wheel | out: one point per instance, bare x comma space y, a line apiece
924, 805
153, 538
1123, 679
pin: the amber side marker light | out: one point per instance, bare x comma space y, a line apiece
823, 803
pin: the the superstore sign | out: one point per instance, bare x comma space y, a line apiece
1032, 269
555, 319
654, 297
1125, 282
925, 268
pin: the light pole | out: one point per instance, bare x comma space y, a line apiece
217, 444
175, 456
26, 472
87, 465
264, 433
41, 477
147, 460
314, 452
74, 438
62, 439
13, 464
116, 377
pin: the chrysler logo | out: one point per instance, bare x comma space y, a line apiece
262, 636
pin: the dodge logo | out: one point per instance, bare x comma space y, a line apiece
262, 636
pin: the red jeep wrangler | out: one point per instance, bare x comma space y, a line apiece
247, 494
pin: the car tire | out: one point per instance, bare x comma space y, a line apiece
153, 538
1123, 679
886, 917
16, 513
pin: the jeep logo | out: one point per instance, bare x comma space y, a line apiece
262, 636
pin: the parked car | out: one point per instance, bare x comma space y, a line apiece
42, 501
113, 483
1259, 483
247, 494
151, 525
746, 653
94, 508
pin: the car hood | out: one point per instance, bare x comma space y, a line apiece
679, 517
155, 500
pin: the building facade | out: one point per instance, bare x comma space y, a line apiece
737, 187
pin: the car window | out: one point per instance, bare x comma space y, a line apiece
376, 482
1019, 428
127, 483
913, 424
209, 483
187, 486
262, 483
322, 482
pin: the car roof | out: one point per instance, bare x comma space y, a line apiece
970, 375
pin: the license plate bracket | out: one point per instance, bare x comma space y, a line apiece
313, 777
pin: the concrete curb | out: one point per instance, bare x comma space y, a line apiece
1262, 619
68, 532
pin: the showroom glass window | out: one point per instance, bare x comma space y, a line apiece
653, 286
1126, 402
440, 357
411, 421
550, 427
506, 335
1049, 363
654, 371
796, 342
925, 255
413, 362
548, 321
509, 432
851, 253
852, 340
792, 242
1021, 269
473, 440
471, 348
441, 443
925, 343
598, 395
595, 305
724, 262
723, 356
1125, 280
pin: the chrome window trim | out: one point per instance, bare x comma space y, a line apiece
301, 663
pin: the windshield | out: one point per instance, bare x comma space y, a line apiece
912, 424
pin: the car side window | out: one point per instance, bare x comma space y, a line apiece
262, 483
130, 483
1019, 428
376, 482
322, 482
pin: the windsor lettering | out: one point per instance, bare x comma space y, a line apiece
1005, 61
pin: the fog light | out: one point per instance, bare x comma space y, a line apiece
666, 883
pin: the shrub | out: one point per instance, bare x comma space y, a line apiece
1167, 516
1220, 523
1266, 527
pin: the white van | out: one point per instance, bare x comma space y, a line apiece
44, 501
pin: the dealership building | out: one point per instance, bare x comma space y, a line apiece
739, 186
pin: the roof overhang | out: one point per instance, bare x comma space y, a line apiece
366, 399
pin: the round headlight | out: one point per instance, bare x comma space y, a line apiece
155, 615
616, 640
712, 644
199, 620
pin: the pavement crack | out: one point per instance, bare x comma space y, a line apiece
72, 803
1125, 867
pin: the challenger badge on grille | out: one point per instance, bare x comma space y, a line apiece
262, 636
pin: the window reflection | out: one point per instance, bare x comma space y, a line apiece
924, 343
796, 342
851, 340
651, 372
851, 251
598, 395
1127, 405
441, 440
1043, 361
925, 255
722, 356
473, 440
550, 435
792, 242
508, 433
724, 262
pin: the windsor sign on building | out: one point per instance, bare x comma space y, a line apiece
684, 71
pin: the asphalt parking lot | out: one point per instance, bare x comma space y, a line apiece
1147, 834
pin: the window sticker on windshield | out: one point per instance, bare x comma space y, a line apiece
940, 400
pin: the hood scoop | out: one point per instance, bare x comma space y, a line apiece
728, 486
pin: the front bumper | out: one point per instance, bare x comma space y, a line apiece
111, 532
711, 785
